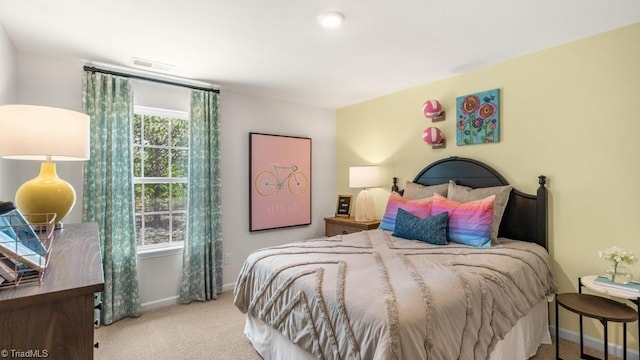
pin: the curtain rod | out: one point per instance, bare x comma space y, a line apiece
139, 77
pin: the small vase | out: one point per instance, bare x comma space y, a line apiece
620, 275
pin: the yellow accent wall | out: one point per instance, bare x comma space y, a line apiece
570, 112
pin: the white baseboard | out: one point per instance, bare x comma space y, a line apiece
159, 303
173, 300
228, 287
596, 343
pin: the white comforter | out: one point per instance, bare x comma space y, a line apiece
369, 295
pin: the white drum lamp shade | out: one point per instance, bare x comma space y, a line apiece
364, 177
48, 134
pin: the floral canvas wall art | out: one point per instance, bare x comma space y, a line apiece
478, 118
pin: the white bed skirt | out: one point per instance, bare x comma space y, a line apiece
520, 343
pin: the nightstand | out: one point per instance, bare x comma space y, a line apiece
597, 307
347, 225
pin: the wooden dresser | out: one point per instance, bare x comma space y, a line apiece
54, 319
347, 225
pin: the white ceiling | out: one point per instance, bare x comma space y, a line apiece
276, 48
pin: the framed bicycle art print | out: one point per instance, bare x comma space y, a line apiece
280, 186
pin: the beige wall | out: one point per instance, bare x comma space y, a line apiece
8, 91
568, 112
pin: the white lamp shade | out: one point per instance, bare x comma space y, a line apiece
29, 132
364, 176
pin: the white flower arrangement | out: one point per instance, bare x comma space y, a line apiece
617, 256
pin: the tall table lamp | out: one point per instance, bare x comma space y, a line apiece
48, 134
364, 177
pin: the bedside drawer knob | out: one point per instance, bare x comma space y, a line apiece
96, 345
345, 232
98, 307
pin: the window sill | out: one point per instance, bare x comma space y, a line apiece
160, 252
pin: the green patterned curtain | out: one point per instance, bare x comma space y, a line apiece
202, 257
108, 190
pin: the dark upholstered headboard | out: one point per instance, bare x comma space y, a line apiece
525, 217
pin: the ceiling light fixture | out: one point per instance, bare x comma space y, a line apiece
331, 19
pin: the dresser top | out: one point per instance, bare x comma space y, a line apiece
74, 268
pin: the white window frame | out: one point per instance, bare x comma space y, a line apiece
172, 245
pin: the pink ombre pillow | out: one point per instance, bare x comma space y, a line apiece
464, 194
470, 223
420, 208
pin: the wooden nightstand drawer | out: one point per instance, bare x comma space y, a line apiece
335, 229
343, 225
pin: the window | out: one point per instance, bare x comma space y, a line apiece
160, 173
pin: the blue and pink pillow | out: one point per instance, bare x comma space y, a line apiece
470, 223
465, 194
419, 207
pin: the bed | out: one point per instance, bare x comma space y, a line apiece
374, 295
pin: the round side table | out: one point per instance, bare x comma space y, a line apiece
597, 307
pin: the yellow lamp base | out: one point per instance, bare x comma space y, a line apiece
46, 193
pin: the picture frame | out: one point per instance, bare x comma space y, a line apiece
280, 181
343, 209
478, 118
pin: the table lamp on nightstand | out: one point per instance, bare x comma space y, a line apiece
29, 132
364, 177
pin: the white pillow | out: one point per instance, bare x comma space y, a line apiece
414, 191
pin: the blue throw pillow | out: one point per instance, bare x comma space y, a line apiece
432, 229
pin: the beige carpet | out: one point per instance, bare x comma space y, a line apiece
210, 330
